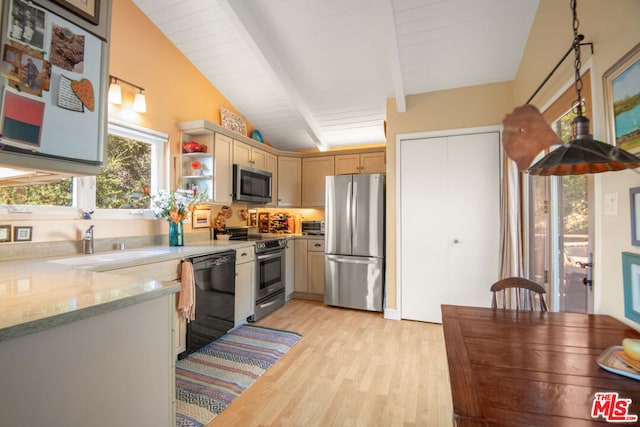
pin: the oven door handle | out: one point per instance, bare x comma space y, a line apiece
270, 255
268, 304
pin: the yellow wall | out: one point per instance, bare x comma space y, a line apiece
174, 89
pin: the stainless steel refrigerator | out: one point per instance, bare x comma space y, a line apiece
354, 241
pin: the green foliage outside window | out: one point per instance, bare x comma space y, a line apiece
54, 194
125, 182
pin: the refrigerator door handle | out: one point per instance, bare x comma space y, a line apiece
351, 259
354, 211
350, 206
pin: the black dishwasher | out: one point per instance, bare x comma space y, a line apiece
214, 276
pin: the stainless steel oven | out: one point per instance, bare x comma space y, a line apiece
270, 276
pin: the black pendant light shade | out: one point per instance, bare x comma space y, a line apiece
583, 155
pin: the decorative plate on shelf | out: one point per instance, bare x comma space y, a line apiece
257, 136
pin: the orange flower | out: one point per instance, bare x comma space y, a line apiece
175, 216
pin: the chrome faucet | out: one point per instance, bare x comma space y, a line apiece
87, 240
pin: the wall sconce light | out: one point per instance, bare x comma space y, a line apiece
115, 94
140, 103
115, 91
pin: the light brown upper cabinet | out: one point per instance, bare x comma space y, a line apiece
314, 171
289, 181
373, 162
246, 155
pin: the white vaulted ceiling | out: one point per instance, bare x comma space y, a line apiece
317, 73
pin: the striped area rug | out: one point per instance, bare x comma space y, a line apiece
208, 380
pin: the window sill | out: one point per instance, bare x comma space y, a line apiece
28, 212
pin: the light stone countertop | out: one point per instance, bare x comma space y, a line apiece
39, 294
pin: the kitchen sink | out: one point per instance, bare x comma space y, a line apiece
108, 257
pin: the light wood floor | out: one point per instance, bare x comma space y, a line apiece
351, 368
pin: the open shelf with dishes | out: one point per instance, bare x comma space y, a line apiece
197, 166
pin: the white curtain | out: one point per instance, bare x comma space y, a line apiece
511, 232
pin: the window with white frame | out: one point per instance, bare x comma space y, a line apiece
134, 170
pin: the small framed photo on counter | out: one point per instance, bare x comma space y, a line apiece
5, 233
22, 234
201, 218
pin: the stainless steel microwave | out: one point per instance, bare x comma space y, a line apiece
251, 185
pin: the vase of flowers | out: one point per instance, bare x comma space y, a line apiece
174, 206
176, 233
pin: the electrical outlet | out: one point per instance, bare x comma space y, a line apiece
611, 204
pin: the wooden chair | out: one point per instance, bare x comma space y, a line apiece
522, 287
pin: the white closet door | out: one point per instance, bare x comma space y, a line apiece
450, 193
424, 226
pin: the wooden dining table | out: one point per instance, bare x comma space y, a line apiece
524, 368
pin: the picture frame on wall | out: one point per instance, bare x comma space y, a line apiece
233, 122
86, 9
5, 233
22, 234
634, 203
631, 279
201, 218
622, 101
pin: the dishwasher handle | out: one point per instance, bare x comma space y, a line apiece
214, 259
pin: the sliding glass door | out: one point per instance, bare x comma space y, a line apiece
559, 251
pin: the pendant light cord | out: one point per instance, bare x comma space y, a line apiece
577, 63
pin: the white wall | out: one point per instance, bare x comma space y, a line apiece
614, 238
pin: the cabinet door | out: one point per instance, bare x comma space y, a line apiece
258, 159
300, 273
166, 271
289, 180
315, 272
347, 163
245, 283
314, 171
373, 162
241, 153
223, 178
272, 166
